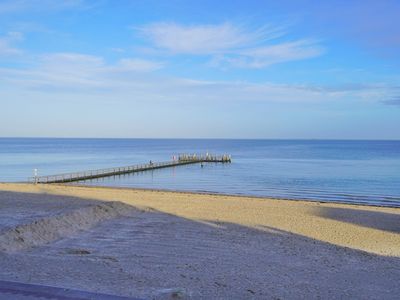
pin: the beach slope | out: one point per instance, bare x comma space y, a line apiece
156, 244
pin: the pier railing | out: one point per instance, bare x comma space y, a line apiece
182, 159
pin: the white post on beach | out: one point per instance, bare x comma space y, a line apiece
35, 175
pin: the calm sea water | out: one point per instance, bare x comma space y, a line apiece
340, 171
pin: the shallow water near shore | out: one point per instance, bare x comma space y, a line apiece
342, 171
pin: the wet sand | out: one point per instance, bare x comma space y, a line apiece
156, 243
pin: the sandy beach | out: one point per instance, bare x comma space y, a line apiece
158, 244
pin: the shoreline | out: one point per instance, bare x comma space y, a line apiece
210, 193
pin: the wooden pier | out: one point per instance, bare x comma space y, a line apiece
184, 159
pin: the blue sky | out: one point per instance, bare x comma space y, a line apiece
202, 69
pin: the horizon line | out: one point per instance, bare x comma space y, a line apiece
195, 138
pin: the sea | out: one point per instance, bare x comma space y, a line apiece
361, 172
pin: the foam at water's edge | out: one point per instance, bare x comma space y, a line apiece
48, 229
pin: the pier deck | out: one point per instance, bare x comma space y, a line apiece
93, 174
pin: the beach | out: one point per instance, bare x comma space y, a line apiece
160, 244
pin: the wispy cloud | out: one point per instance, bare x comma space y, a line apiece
205, 39
265, 56
73, 63
231, 45
76, 71
7, 42
132, 78
137, 65
392, 101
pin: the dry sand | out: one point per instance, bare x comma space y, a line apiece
158, 243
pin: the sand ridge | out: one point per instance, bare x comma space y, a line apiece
44, 230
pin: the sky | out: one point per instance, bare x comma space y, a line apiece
200, 69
